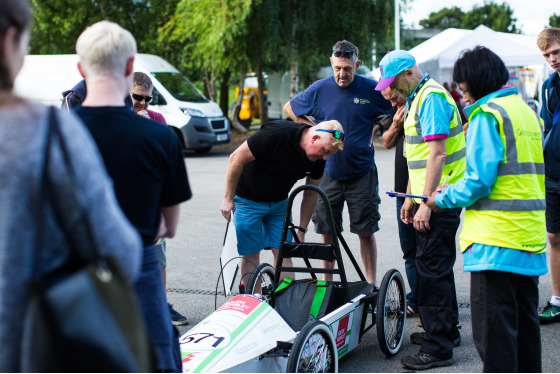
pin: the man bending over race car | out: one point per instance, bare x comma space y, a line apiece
261, 173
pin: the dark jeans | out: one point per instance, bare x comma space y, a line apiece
437, 299
505, 321
153, 304
407, 238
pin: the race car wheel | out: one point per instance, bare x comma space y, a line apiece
261, 282
314, 350
391, 312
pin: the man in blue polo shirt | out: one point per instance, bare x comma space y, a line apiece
350, 175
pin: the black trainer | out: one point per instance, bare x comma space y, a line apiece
418, 338
177, 318
423, 361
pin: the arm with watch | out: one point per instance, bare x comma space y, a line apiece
308, 203
434, 170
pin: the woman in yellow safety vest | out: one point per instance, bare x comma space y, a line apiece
504, 235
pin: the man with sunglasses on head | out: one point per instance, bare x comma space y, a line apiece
261, 173
351, 175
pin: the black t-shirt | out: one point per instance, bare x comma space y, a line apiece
145, 160
401, 166
279, 163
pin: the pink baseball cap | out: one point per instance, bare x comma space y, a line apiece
393, 63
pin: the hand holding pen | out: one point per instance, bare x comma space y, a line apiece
431, 203
444, 184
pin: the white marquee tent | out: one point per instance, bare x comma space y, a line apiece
437, 55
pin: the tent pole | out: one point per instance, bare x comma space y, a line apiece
397, 26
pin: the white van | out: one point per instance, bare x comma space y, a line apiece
198, 122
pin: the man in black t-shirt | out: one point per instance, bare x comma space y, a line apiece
260, 175
145, 162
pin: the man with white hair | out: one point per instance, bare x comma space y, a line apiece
351, 176
145, 162
261, 173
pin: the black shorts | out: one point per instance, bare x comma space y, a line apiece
552, 205
362, 197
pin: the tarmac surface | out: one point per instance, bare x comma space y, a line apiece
194, 267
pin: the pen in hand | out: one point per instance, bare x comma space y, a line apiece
446, 179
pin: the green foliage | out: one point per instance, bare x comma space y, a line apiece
554, 20
443, 19
211, 40
498, 17
210, 36
58, 23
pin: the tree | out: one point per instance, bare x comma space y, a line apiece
212, 39
497, 17
554, 20
58, 23
443, 19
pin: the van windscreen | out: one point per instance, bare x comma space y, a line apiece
180, 87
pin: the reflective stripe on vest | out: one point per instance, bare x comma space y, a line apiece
449, 159
417, 150
418, 139
512, 166
513, 215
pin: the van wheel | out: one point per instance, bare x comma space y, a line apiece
179, 136
202, 151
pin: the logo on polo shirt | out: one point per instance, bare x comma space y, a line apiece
360, 101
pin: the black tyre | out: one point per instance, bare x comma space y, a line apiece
391, 313
261, 281
314, 350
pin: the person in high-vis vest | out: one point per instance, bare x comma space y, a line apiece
504, 234
435, 150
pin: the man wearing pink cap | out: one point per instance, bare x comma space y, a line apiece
435, 150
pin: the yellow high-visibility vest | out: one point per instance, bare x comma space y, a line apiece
417, 150
513, 215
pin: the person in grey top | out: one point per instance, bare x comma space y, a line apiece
23, 129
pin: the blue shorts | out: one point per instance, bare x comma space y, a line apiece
258, 225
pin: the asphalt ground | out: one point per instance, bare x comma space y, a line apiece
194, 267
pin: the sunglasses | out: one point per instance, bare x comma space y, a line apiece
335, 133
147, 99
343, 54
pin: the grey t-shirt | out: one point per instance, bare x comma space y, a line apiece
22, 140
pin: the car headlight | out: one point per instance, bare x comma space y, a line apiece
193, 112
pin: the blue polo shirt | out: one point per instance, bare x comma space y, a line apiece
356, 107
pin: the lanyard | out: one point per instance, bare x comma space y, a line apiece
418, 88
420, 85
